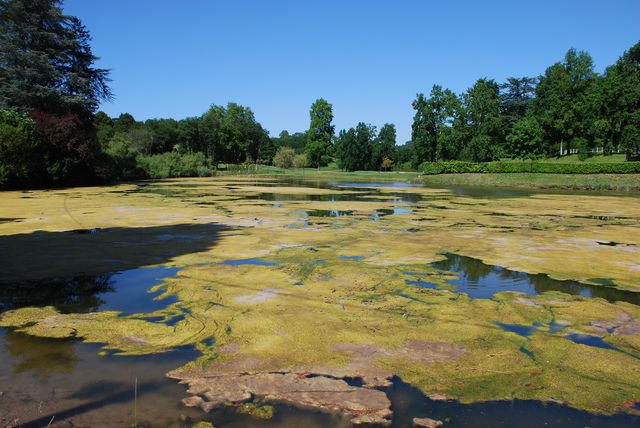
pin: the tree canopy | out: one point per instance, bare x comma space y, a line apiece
320, 134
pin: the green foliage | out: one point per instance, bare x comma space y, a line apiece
620, 103
431, 124
383, 147
231, 134
46, 63
296, 140
354, 147
562, 103
460, 167
483, 125
284, 157
320, 134
174, 164
526, 138
300, 160
122, 156
18, 149
386, 164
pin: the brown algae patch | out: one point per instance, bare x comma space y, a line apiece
318, 318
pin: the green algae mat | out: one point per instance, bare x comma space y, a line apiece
283, 286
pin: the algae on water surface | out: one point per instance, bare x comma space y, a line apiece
329, 296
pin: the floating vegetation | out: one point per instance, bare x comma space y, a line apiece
478, 303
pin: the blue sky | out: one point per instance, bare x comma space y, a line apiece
367, 58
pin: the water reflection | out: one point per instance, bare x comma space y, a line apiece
408, 403
482, 281
42, 356
126, 292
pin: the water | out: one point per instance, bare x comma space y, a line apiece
482, 281
519, 329
68, 379
126, 292
409, 402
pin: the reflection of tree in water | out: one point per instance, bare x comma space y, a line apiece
470, 269
42, 356
76, 294
473, 270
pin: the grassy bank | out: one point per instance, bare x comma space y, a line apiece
612, 182
615, 182
325, 173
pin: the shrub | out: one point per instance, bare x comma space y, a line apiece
458, 167
173, 164
387, 164
300, 161
284, 157
405, 166
122, 158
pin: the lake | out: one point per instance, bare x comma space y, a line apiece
281, 303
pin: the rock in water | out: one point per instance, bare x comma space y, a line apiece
426, 423
361, 404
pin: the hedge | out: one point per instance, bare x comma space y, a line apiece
459, 167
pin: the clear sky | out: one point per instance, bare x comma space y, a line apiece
368, 58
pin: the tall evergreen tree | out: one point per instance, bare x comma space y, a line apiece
46, 62
515, 97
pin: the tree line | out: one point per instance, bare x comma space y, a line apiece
569, 109
52, 134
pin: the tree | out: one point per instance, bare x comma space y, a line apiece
619, 110
104, 128
384, 146
46, 62
231, 134
561, 100
387, 164
122, 158
355, 146
320, 134
525, 139
70, 151
515, 97
300, 160
47, 70
284, 157
431, 122
18, 149
483, 122
296, 140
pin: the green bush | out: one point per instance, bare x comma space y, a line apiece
173, 164
300, 161
284, 157
458, 167
19, 157
123, 164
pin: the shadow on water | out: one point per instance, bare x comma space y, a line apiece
409, 402
81, 272
482, 281
68, 381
